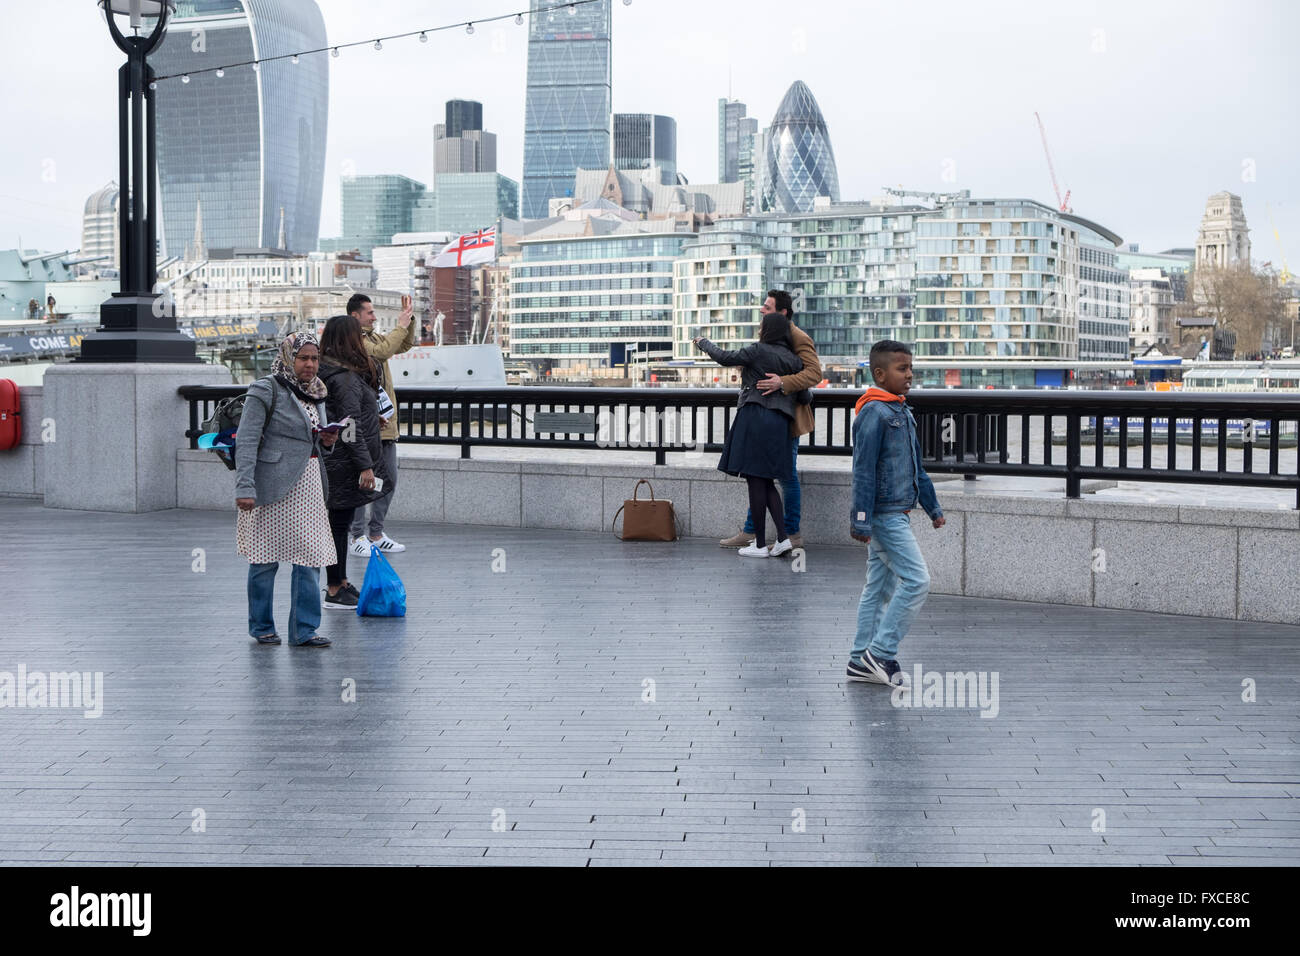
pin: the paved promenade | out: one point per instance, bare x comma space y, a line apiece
596, 702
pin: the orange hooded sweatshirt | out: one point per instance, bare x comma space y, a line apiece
874, 394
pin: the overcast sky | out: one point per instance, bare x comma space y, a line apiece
1150, 105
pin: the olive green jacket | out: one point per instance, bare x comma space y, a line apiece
382, 347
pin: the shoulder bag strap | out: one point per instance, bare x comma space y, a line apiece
270, 413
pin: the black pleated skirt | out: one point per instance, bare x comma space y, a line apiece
758, 444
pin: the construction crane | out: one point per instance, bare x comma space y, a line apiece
1285, 277
1064, 204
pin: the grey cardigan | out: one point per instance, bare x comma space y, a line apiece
759, 358
269, 475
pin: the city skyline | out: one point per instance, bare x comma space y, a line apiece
1139, 144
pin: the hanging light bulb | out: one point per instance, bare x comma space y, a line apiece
469, 28
294, 58
220, 72
519, 19
334, 52
378, 45
424, 37
184, 79
154, 85
254, 66
573, 8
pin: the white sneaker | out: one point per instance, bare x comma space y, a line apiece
388, 545
360, 547
752, 550
781, 547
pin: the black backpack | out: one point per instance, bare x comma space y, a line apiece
225, 422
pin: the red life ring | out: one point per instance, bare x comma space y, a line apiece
11, 423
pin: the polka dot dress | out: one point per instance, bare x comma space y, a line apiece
296, 528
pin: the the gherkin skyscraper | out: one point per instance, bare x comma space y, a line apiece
567, 114
799, 160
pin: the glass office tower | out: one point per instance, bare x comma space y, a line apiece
800, 162
470, 201
643, 140
462, 115
251, 142
568, 107
374, 209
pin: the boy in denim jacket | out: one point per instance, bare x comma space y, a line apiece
888, 480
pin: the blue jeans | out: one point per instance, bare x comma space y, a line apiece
897, 584
790, 495
304, 609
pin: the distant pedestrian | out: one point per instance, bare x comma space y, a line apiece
888, 481
778, 300
381, 348
352, 379
758, 444
280, 491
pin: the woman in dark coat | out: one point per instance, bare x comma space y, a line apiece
353, 383
758, 445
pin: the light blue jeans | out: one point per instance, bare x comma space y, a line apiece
897, 585
304, 606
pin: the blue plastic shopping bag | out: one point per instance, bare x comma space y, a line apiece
382, 591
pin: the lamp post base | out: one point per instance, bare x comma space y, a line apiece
132, 330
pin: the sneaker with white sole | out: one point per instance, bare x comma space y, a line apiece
360, 547
341, 600
754, 551
860, 671
388, 545
781, 547
885, 671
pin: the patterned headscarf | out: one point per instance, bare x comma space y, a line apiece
282, 367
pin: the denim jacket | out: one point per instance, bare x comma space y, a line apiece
887, 470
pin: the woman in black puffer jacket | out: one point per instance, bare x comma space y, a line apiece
353, 382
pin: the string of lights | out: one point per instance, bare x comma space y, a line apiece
377, 42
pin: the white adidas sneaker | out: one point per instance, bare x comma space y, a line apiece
388, 545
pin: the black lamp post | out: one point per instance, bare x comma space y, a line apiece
133, 324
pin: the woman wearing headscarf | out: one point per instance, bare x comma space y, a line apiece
280, 491
352, 379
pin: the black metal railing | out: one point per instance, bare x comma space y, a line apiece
1034, 433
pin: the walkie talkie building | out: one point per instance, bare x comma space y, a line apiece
251, 142
568, 110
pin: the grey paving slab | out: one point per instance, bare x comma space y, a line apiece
606, 703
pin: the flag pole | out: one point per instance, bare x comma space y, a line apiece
496, 256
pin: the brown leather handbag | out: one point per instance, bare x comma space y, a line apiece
650, 520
